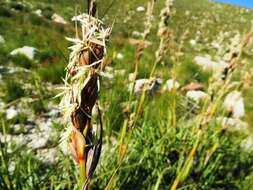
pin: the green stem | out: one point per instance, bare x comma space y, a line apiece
82, 169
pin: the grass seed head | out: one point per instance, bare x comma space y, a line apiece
81, 92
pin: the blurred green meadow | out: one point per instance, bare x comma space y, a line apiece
154, 153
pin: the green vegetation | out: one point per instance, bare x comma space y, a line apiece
170, 139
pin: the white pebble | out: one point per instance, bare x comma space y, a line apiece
233, 124
247, 144
29, 52
193, 42
171, 84
140, 9
2, 40
59, 19
120, 56
38, 12
208, 65
234, 103
131, 77
11, 113
197, 95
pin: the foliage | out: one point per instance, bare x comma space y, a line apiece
161, 144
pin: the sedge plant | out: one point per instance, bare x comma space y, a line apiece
81, 92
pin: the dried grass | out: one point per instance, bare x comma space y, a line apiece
80, 94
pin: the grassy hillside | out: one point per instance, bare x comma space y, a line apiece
168, 142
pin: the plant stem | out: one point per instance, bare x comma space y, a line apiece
82, 169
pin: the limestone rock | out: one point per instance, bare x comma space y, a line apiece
29, 52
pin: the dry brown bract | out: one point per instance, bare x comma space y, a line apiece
81, 93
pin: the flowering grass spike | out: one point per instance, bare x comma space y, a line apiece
81, 93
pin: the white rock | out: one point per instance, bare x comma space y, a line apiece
38, 140
16, 128
38, 12
54, 112
109, 69
140, 9
151, 85
107, 75
2, 40
11, 113
119, 56
194, 18
21, 139
120, 72
193, 42
12, 70
131, 77
170, 85
139, 85
5, 138
208, 65
57, 18
137, 34
187, 12
215, 45
197, 95
198, 33
29, 52
45, 125
47, 156
247, 144
64, 147
2, 104
77, 18
234, 103
233, 124
11, 167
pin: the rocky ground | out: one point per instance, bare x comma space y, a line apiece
33, 56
